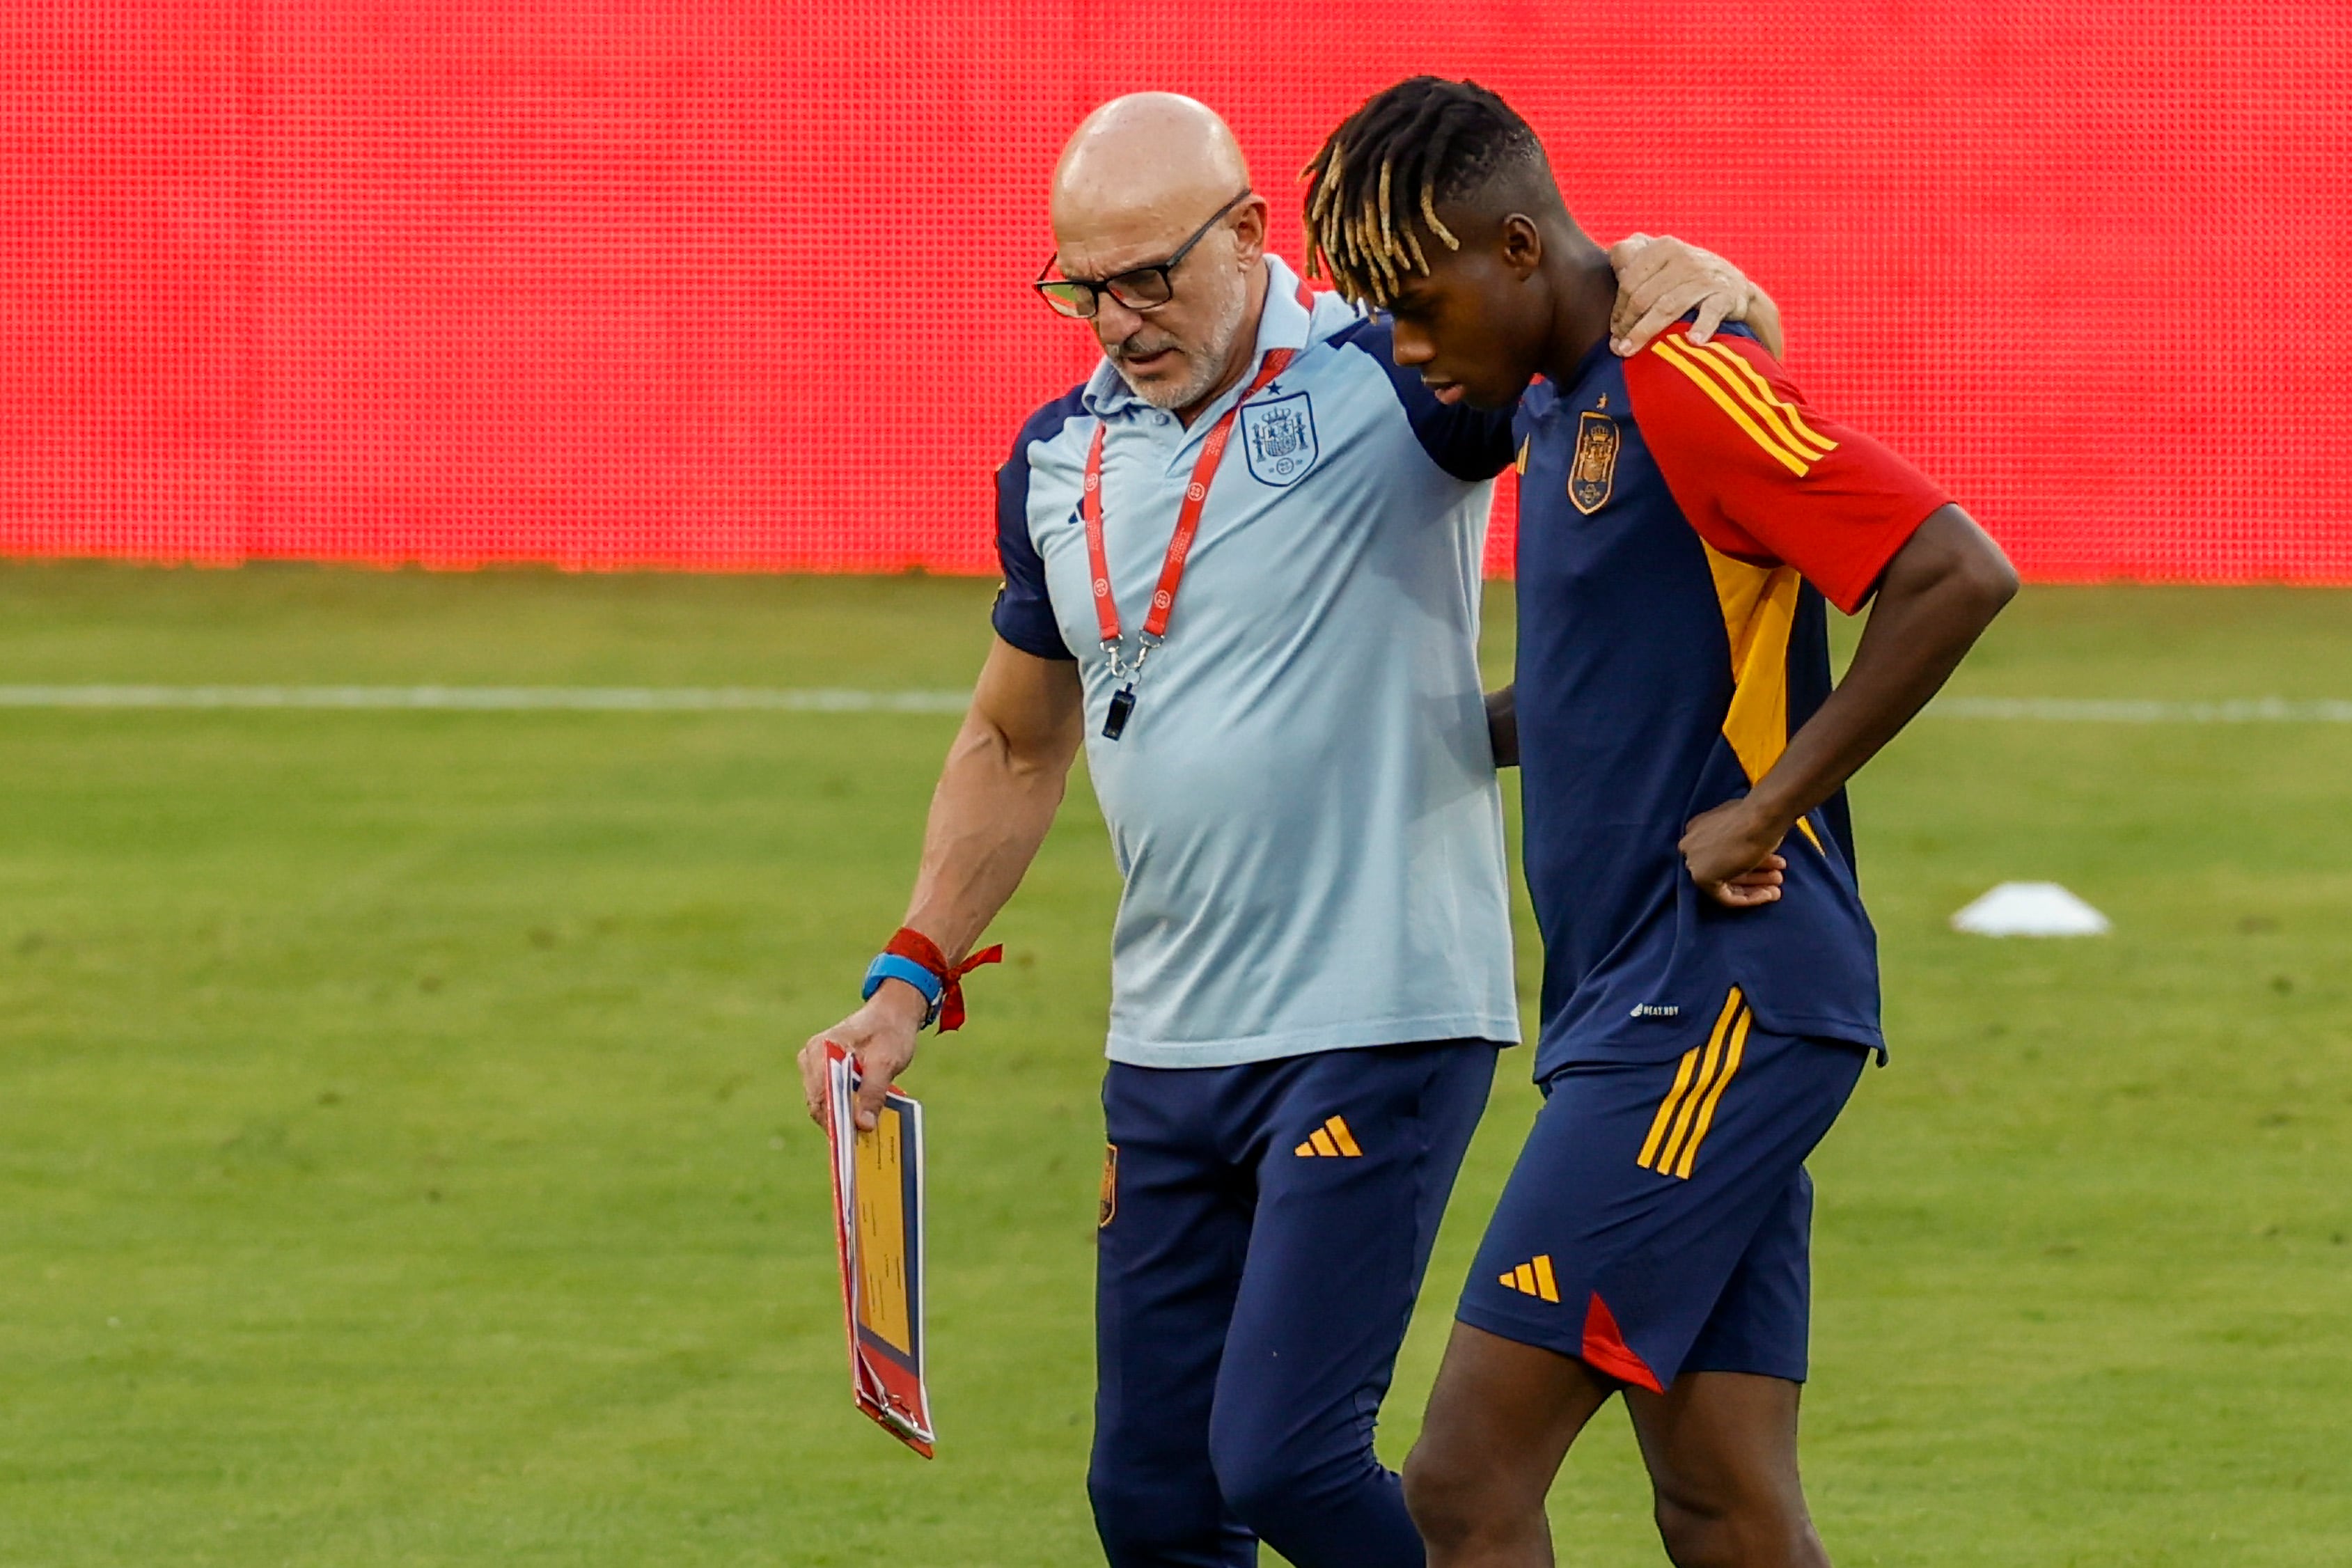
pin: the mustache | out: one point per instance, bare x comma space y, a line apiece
1140, 345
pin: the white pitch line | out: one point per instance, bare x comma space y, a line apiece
832, 700
2128, 710
496, 699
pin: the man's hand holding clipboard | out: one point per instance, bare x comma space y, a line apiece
878, 1200
876, 1136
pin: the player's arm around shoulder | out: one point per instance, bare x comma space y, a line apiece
997, 794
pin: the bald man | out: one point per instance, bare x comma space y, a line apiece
1241, 566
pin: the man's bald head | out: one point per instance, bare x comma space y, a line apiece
1140, 177
1148, 154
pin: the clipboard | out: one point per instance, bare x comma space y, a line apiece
877, 1210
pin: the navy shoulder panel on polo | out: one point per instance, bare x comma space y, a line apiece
1024, 615
1468, 443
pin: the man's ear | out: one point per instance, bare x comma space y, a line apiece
1249, 231
1522, 247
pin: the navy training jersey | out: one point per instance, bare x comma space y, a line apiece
1682, 516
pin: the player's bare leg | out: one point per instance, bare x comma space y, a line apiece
1500, 1421
1721, 1448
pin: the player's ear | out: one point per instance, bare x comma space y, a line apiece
1521, 246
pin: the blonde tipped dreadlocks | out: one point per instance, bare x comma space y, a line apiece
1420, 143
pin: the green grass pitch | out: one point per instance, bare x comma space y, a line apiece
400, 1162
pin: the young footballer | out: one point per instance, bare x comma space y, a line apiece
1710, 990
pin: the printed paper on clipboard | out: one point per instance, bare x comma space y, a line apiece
877, 1205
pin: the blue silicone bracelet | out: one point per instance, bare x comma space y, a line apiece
891, 966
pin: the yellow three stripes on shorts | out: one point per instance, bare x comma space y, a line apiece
1688, 1109
1771, 421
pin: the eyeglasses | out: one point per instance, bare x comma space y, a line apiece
1137, 287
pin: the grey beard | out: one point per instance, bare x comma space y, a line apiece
1206, 367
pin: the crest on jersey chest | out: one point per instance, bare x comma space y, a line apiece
1594, 473
1278, 438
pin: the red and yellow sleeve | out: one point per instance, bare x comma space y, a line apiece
1765, 477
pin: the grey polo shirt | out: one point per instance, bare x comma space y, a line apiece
1303, 807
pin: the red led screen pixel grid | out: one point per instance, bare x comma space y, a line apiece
725, 285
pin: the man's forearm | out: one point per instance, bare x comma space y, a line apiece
991, 812
1939, 595
995, 800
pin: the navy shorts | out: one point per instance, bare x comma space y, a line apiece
1660, 1219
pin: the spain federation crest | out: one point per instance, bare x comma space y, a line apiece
1595, 473
1278, 438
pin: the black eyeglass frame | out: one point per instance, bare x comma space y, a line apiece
1114, 285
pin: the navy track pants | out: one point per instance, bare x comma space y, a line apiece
1265, 1230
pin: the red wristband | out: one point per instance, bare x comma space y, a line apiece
915, 946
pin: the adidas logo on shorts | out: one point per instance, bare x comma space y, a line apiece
1533, 1277
1332, 1141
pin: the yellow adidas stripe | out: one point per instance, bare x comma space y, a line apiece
1763, 402
1546, 1286
1768, 410
1707, 1107
1339, 1135
1741, 382
1804, 433
1682, 1101
1754, 394
1708, 1067
1664, 348
1666, 1108
1323, 1144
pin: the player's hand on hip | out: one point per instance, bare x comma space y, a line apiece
881, 1035
1733, 855
1660, 279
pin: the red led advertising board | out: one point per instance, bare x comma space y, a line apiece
717, 285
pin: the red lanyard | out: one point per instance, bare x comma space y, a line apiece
1188, 516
